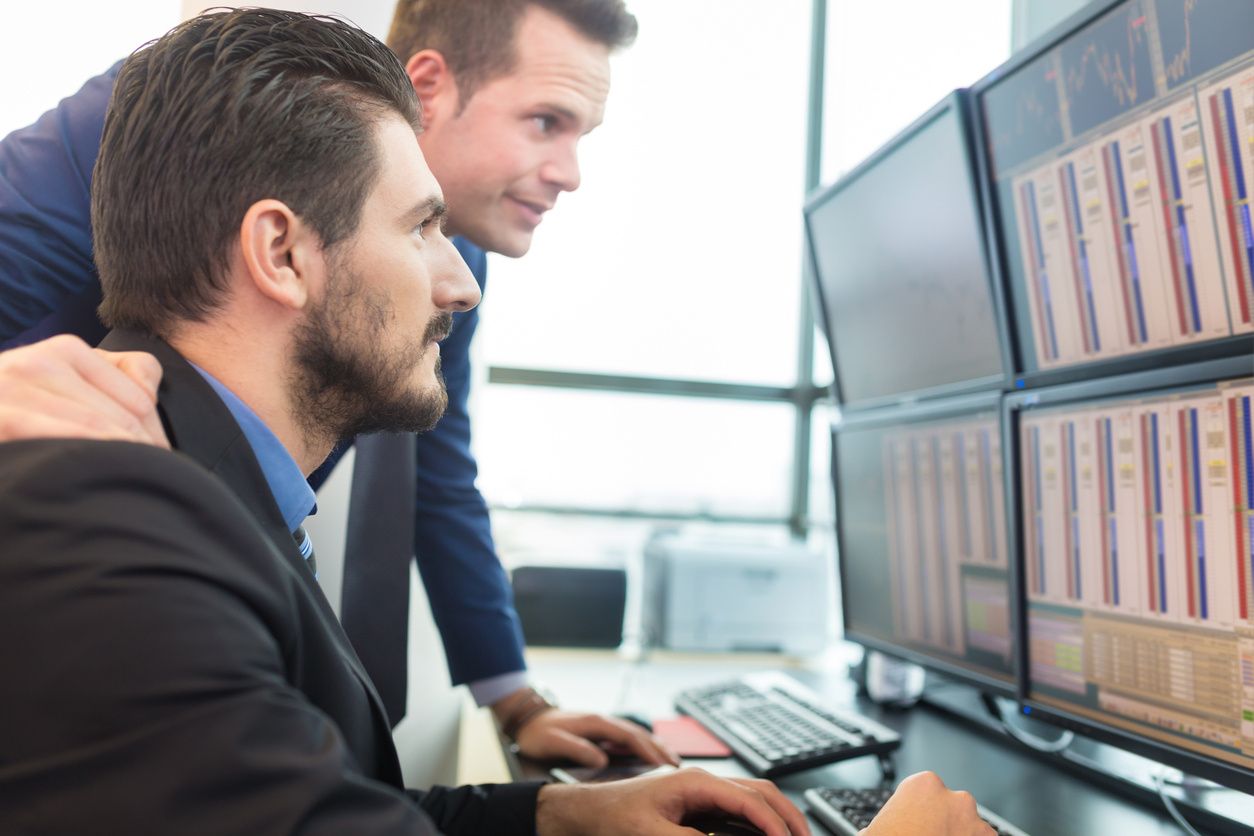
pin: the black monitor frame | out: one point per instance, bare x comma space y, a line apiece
955, 407
1157, 381
960, 102
1231, 346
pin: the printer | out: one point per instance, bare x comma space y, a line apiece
734, 595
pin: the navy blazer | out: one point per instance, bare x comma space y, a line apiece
171, 664
49, 285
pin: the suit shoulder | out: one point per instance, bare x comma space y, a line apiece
76, 466
118, 503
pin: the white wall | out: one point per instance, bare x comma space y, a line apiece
372, 15
47, 50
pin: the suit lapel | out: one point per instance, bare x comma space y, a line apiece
200, 426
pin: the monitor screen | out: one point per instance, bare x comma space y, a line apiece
901, 272
1137, 522
1122, 165
922, 536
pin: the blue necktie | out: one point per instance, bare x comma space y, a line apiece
305, 543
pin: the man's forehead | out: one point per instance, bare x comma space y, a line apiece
571, 88
406, 181
549, 52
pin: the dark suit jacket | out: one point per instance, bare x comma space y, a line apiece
169, 665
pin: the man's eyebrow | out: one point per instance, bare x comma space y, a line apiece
431, 208
564, 113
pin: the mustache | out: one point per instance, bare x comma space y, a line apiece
440, 326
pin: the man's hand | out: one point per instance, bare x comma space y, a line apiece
656, 804
62, 388
556, 734
923, 806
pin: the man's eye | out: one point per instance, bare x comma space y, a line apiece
546, 124
422, 228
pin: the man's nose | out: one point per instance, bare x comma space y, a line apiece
562, 169
455, 288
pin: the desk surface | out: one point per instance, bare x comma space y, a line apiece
1038, 797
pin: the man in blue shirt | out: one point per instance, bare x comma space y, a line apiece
507, 90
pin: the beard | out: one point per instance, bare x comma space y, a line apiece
351, 377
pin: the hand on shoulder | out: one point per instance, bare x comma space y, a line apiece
62, 388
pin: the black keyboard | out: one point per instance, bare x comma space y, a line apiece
775, 726
846, 812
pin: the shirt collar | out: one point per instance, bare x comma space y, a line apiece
288, 485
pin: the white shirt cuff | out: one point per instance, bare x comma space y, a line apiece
495, 688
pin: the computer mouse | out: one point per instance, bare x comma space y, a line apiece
638, 719
718, 824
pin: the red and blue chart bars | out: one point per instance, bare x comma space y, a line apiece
1231, 173
1071, 502
1194, 514
1242, 446
1136, 233
1038, 272
1175, 222
1108, 496
1125, 246
1155, 534
1143, 506
1078, 244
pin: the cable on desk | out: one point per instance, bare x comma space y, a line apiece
1170, 804
1028, 739
1060, 745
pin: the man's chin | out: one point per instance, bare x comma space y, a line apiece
509, 241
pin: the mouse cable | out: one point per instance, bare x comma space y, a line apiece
1170, 804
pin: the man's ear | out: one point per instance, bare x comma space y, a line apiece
435, 85
283, 255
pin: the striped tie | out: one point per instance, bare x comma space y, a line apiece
305, 543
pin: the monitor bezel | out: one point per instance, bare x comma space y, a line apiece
1157, 381
957, 101
1234, 345
954, 407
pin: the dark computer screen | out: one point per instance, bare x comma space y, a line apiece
1122, 164
1137, 519
902, 280
921, 526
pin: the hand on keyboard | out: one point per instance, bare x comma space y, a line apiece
924, 806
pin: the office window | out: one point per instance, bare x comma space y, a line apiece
889, 61
822, 503
680, 258
680, 254
606, 451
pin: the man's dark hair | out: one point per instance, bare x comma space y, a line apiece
476, 37
224, 110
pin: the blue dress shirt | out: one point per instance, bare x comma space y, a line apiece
288, 485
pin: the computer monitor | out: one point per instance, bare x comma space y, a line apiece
899, 270
921, 533
1119, 167
1134, 519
